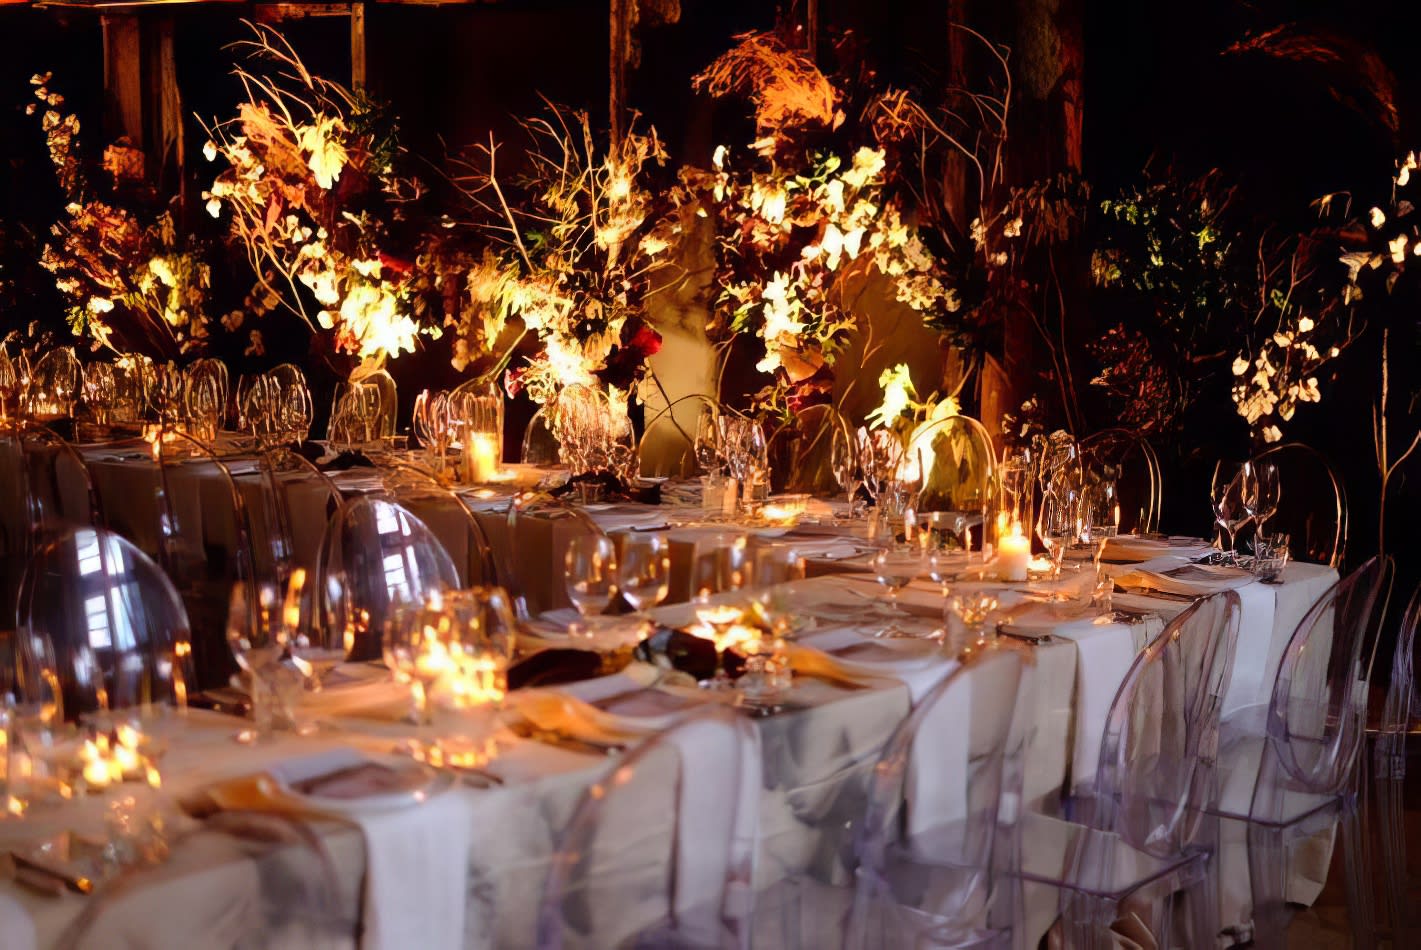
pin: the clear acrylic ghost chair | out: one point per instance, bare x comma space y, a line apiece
667, 446
1288, 768
382, 555
1391, 755
939, 851
114, 627
448, 515
660, 852
957, 462
803, 451
514, 567
238, 879
1312, 503
1141, 831
45, 487
204, 543
1135, 466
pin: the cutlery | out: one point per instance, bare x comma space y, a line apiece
526, 730
1158, 594
38, 873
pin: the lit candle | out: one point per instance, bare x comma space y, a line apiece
481, 456
1013, 555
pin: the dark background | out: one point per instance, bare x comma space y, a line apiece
1159, 91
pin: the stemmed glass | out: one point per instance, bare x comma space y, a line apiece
894, 572
1261, 492
718, 566
322, 636
645, 573
1228, 493
709, 456
590, 576
258, 634
1057, 525
1100, 521
844, 461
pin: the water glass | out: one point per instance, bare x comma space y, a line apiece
645, 573
590, 576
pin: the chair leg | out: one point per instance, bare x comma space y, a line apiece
1356, 858
1268, 875
1086, 920
1392, 831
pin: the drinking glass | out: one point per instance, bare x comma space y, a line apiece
322, 637
1228, 491
1100, 521
709, 456
894, 572
971, 606
645, 573
843, 459
590, 577
258, 635
718, 566
418, 646
771, 566
1057, 525
1261, 492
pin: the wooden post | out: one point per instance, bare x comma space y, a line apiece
619, 49
357, 46
123, 77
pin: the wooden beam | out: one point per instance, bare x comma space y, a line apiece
357, 47
123, 77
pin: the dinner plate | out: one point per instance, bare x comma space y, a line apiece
345, 782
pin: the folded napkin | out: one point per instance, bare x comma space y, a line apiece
827, 549
1130, 547
415, 888
356, 689
1188, 579
852, 654
568, 709
1038, 620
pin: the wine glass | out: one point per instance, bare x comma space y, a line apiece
417, 649
709, 457
1228, 491
718, 566
322, 636
258, 636
1057, 525
1100, 521
1262, 492
645, 573
894, 572
590, 577
843, 459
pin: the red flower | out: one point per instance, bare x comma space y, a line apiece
398, 265
645, 341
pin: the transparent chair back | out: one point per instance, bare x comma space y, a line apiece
386, 400
1157, 773
1312, 503
289, 502
540, 445
667, 447
204, 538
1318, 711
1391, 765
660, 852
939, 848
448, 516
957, 462
238, 879
804, 452
114, 626
518, 575
384, 555
1130, 459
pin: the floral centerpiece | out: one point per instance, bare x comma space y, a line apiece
132, 283
800, 224
310, 193
569, 260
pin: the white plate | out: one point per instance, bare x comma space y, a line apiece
391, 785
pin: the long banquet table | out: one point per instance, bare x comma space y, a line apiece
465, 867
